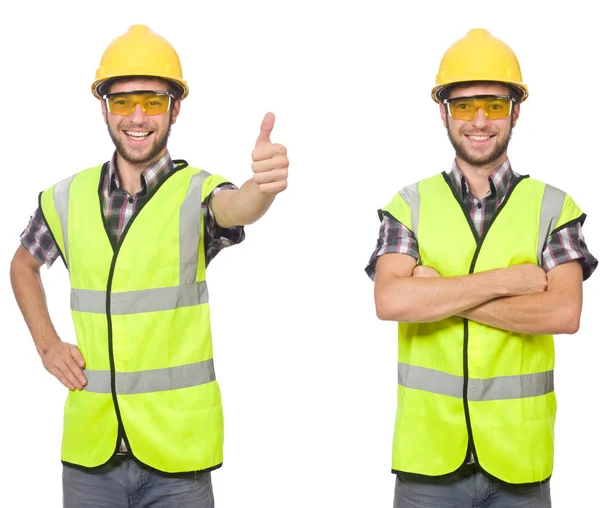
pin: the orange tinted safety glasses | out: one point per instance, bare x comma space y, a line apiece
151, 102
495, 107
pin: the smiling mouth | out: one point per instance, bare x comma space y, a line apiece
481, 138
137, 136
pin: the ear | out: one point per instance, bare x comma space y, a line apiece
444, 114
176, 108
104, 111
515, 114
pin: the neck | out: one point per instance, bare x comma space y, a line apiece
130, 172
477, 176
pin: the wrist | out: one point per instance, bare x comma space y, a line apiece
499, 285
44, 345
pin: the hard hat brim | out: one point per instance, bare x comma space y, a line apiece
179, 83
439, 89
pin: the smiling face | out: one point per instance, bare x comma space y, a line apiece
140, 139
480, 141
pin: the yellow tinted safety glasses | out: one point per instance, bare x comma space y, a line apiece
151, 102
466, 108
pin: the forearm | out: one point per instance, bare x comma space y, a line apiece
424, 299
241, 207
536, 314
29, 293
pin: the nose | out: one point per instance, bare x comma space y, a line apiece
480, 119
138, 115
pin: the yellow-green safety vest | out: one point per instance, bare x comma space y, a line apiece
465, 388
141, 317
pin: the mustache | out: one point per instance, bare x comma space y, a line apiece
133, 127
480, 133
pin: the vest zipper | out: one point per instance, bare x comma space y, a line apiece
479, 242
470, 444
179, 164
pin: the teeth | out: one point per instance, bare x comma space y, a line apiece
479, 138
136, 134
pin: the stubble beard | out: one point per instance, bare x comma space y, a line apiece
132, 157
475, 159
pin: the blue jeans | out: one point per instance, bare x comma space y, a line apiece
122, 483
473, 491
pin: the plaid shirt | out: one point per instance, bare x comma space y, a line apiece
566, 245
119, 206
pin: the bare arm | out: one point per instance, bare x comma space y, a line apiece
240, 207
401, 297
249, 203
555, 311
31, 298
61, 359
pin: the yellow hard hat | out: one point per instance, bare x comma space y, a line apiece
140, 52
479, 56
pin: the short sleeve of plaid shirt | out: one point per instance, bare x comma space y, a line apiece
394, 237
564, 245
38, 240
217, 238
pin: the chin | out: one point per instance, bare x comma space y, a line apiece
136, 158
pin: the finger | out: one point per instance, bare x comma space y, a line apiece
77, 356
265, 130
268, 151
275, 175
273, 187
64, 372
59, 375
75, 370
277, 162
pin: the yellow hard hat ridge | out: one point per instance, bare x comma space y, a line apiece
140, 52
479, 56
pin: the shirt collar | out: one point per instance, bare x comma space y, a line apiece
499, 180
150, 178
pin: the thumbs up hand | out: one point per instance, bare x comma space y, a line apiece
270, 162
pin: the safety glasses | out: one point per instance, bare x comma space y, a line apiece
151, 102
495, 107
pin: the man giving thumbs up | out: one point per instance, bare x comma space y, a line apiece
144, 417
252, 200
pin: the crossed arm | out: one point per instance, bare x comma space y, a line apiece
520, 298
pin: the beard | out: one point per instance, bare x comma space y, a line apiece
136, 157
479, 159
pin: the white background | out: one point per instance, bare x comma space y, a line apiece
308, 373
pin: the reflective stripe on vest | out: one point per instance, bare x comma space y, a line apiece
552, 205
496, 388
61, 202
410, 193
145, 300
156, 380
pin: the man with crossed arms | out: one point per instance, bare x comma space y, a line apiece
479, 266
